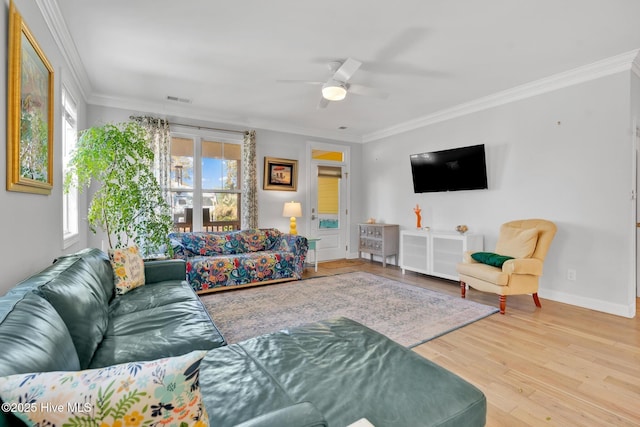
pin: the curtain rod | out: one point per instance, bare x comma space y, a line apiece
244, 132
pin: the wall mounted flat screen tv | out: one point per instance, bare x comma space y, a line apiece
456, 169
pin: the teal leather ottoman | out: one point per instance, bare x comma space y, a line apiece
340, 371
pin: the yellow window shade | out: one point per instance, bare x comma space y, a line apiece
182, 147
328, 195
220, 150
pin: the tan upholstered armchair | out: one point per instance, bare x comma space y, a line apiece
526, 242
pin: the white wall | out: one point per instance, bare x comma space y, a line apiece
32, 224
268, 143
290, 146
563, 155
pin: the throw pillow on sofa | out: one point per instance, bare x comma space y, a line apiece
160, 392
254, 240
128, 269
205, 244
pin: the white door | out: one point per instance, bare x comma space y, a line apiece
328, 199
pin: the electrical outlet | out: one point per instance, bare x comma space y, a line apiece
571, 274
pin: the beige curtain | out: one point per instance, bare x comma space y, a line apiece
249, 182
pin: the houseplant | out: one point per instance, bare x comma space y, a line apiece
128, 204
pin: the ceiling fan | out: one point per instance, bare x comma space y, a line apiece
337, 86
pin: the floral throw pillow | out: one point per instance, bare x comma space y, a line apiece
163, 392
128, 269
204, 244
252, 240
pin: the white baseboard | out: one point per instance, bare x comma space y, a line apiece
590, 303
563, 297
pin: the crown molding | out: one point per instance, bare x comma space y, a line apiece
58, 28
616, 64
165, 109
316, 133
635, 65
61, 35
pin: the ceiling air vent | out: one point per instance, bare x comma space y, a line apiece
177, 99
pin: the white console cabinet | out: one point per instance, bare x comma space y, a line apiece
436, 253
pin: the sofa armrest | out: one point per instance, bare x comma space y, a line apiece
169, 269
294, 243
298, 245
531, 266
302, 414
179, 250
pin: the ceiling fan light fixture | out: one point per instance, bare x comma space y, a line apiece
334, 91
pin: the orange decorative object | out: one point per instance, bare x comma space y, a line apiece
417, 210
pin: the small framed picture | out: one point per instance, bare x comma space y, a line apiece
280, 174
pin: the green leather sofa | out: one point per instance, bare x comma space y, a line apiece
329, 373
66, 317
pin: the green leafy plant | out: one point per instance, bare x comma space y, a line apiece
128, 205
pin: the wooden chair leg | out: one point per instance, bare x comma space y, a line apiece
536, 300
503, 303
463, 289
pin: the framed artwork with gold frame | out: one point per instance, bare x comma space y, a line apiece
280, 174
30, 111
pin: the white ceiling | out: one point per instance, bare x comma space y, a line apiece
429, 55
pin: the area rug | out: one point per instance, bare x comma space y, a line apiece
409, 315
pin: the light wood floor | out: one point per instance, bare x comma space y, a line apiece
556, 366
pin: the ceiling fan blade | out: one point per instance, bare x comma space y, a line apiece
305, 82
347, 69
367, 91
323, 102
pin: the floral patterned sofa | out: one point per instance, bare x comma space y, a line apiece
220, 260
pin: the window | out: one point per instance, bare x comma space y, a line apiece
70, 200
328, 188
205, 177
220, 185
